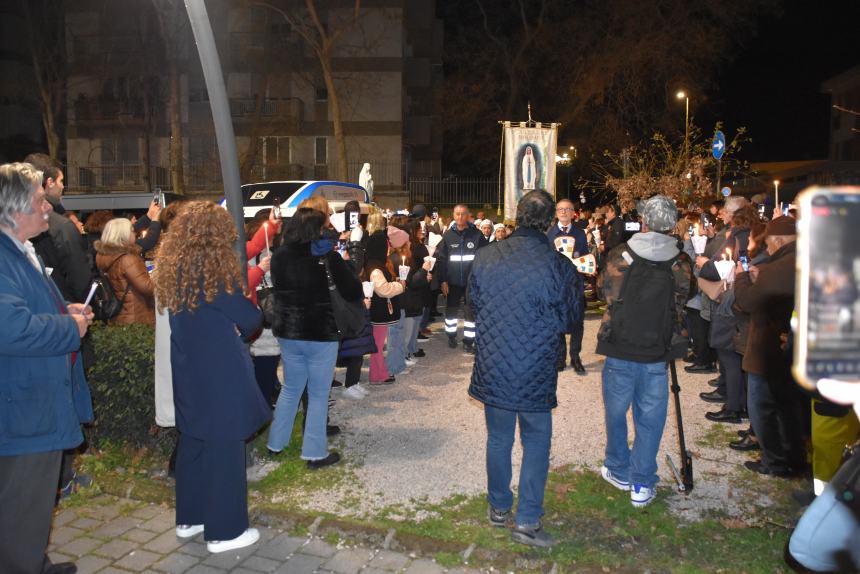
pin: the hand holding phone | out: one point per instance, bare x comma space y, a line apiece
827, 297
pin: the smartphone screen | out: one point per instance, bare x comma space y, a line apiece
632, 226
828, 305
744, 261
353, 219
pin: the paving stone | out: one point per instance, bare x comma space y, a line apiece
195, 549
147, 512
229, 559
116, 548
164, 543
317, 547
64, 517
280, 547
86, 523
64, 534
388, 560
372, 570
60, 557
81, 546
243, 571
139, 535
104, 512
113, 570
423, 566
116, 527
90, 563
348, 561
161, 522
138, 560
300, 563
260, 564
201, 569
176, 563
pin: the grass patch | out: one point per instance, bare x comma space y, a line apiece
448, 559
717, 436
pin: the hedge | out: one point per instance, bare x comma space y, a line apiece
121, 380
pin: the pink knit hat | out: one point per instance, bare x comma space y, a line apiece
397, 237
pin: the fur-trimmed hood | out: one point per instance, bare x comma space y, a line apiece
104, 249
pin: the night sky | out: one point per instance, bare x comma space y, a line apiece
773, 87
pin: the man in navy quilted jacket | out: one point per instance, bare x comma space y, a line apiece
524, 295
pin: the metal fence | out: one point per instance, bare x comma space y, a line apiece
448, 192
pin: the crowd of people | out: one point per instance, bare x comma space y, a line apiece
713, 287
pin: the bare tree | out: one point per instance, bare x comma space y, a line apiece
173, 28
45, 32
322, 39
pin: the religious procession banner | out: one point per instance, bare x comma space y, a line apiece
529, 161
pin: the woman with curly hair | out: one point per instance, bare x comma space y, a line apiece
306, 329
198, 279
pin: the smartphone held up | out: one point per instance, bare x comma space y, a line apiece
827, 305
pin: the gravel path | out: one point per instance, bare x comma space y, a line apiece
422, 439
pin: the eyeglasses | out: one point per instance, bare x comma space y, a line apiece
564, 209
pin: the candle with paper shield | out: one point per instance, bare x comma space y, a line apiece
726, 267
403, 272
432, 261
565, 244
367, 286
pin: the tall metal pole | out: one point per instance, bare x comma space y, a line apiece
687, 131
227, 153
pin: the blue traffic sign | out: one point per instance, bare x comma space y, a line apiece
718, 146
726, 191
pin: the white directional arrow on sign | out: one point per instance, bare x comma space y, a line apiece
718, 145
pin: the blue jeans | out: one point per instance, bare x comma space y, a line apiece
536, 437
410, 327
306, 364
645, 387
395, 360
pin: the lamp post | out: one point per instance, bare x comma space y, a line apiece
681, 95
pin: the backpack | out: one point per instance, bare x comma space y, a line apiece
104, 302
642, 319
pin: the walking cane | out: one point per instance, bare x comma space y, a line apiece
684, 479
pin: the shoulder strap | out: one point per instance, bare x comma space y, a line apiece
127, 283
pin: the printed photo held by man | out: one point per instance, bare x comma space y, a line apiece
44, 397
647, 282
525, 294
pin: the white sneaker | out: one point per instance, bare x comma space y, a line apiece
360, 387
410, 362
641, 495
353, 392
188, 530
247, 538
614, 480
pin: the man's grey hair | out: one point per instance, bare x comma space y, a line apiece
734, 203
18, 183
535, 210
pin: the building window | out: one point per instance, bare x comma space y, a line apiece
321, 95
321, 151
276, 150
118, 151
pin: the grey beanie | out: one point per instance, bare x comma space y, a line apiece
660, 213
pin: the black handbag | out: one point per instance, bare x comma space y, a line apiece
266, 302
349, 315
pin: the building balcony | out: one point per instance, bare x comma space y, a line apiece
108, 111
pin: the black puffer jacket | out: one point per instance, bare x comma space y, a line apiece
524, 294
302, 302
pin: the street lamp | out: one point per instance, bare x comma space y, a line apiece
776, 194
681, 95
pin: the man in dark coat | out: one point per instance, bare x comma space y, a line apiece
566, 228
524, 294
766, 292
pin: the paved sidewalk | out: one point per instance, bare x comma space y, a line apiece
111, 535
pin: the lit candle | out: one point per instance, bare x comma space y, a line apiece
729, 253
266, 229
